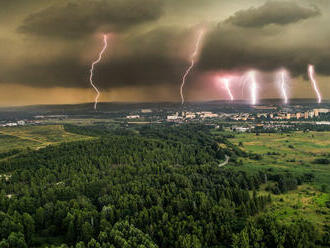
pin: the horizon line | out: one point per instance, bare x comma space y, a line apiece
325, 101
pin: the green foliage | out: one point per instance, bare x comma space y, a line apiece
9, 153
164, 189
322, 161
267, 232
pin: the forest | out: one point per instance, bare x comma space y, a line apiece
157, 186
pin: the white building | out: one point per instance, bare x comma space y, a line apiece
190, 115
132, 117
241, 129
21, 123
11, 124
172, 117
208, 115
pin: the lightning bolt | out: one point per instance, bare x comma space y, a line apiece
311, 73
243, 81
253, 87
105, 40
226, 83
283, 75
193, 56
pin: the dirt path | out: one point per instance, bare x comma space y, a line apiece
225, 162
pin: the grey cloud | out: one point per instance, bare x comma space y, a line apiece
70, 72
145, 59
79, 18
235, 48
273, 12
148, 58
6, 4
234, 45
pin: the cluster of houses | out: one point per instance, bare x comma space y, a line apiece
13, 124
191, 115
280, 115
238, 116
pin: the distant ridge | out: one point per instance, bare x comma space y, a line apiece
148, 104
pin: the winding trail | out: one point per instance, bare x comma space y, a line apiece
225, 162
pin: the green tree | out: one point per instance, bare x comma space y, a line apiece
189, 241
87, 231
29, 227
16, 240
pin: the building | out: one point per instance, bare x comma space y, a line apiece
190, 115
132, 117
323, 111
241, 129
262, 115
208, 115
281, 116
10, 124
173, 117
21, 123
323, 123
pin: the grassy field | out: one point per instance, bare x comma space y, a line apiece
305, 202
294, 152
8, 142
34, 137
314, 143
80, 121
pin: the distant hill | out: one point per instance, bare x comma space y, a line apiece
120, 107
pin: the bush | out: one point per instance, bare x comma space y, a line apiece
322, 161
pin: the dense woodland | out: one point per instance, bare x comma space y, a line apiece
155, 187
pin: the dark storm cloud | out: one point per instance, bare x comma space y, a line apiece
5, 4
234, 45
273, 12
62, 72
79, 18
13, 8
148, 58
141, 57
70, 72
234, 48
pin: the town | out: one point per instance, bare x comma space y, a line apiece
319, 116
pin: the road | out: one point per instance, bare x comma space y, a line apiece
225, 162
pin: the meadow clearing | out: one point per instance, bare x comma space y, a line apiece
296, 153
35, 137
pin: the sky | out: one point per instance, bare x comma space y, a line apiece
47, 47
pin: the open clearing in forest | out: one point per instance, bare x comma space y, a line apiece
35, 137
295, 152
304, 202
298, 145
